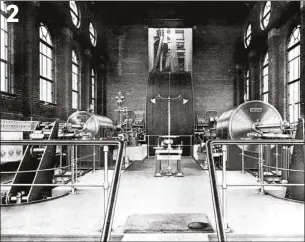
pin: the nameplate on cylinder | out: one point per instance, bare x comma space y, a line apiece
256, 110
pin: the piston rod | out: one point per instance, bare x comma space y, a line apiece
267, 126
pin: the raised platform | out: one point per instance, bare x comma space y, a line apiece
73, 216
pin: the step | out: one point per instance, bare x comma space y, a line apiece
259, 237
57, 237
166, 237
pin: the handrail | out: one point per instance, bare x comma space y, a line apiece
212, 174
215, 196
31, 171
61, 142
115, 180
258, 142
113, 194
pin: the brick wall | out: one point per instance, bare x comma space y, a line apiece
24, 103
128, 71
213, 67
217, 50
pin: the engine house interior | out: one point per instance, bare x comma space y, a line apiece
152, 121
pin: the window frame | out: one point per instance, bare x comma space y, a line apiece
296, 81
78, 84
76, 15
266, 15
265, 65
7, 61
248, 36
50, 47
93, 36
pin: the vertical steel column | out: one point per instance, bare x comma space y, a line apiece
68, 158
224, 186
106, 149
277, 159
179, 168
285, 163
261, 168
60, 157
93, 158
267, 157
158, 168
148, 136
243, 159
76, 172
73, 191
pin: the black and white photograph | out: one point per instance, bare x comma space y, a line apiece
152, 120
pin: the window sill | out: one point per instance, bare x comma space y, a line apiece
7, 94
46, 104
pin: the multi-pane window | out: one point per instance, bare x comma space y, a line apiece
266, 15
75, 81
93, 34
265, 71
248, 36
46, 65
93, 88
4, 48
75, 13
293, 83
247, 86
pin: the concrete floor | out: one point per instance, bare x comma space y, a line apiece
248, 212
140, 192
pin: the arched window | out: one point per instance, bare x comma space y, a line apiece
5, 44
46, 65
265, 82
75, 13
265, 16
75, 81
93, 34
293, 83
247, 86
248, 34
93, 88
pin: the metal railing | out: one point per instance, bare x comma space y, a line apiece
221, 212
109, 200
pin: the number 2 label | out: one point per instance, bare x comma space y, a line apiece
11, 18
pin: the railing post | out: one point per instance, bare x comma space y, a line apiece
69, 158
285, 163
76, 164
60, 158
106, 149
243, 159
261, 168
276, 159
148, 136
93, 158
73, 191
224, 187
267, 157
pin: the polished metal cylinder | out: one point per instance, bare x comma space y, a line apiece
239, 122
89, 124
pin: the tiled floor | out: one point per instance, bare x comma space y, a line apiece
140, 192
